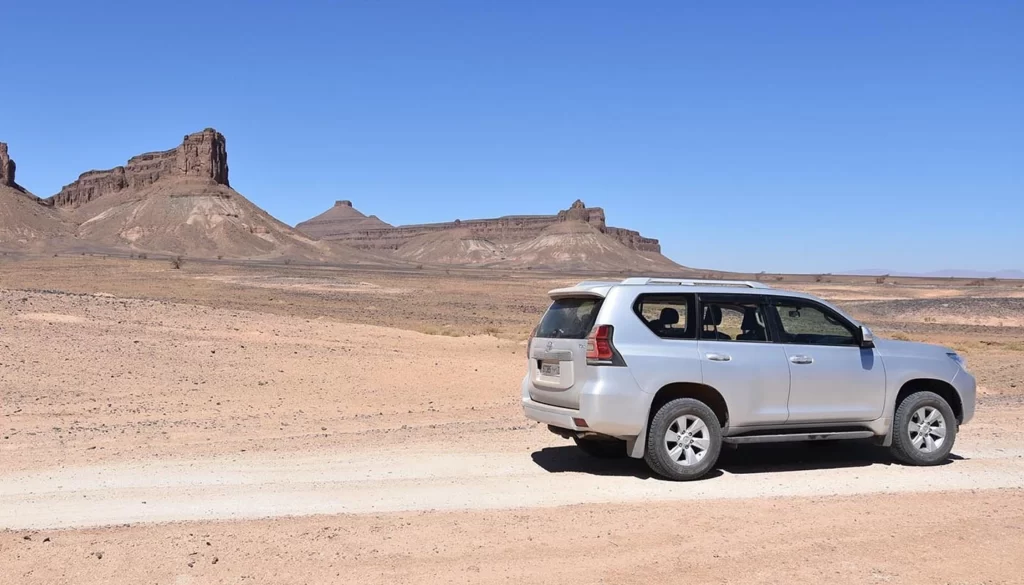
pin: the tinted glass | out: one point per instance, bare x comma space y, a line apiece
666, 315
569, 319
733, 321
812, 326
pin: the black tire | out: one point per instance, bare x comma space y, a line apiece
903, 448
602, 448
657, 453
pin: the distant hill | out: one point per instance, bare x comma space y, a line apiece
342, 218
26, 222
948, 273
180, 201
573, 239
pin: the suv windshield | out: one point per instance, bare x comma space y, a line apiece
569, 319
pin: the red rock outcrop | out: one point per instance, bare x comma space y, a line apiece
203, 154
7, 167
510, 228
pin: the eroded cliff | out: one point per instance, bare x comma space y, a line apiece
202, 155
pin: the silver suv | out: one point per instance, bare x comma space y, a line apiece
669, 370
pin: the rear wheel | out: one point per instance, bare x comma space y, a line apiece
924, 429
684, 440
602, 448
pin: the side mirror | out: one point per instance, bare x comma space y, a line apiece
867, 339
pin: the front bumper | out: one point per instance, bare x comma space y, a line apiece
967, 387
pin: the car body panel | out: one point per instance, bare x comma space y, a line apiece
758, 399
834, 383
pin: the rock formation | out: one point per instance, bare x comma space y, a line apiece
342, 218
510, 228
24, 219
200, 155
7, 168
179, 201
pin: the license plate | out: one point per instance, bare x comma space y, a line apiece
549, 369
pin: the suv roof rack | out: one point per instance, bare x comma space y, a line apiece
693, 282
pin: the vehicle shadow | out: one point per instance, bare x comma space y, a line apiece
570, 459
757, 458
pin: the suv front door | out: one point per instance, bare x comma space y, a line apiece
739, 359
832, 378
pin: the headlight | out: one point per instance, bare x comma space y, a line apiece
959, 360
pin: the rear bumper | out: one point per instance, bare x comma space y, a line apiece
552, 415
967, 387
611, 405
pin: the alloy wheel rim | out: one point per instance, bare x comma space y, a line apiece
687, 440
927, 429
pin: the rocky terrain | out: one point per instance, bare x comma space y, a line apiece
577, 238
264, 423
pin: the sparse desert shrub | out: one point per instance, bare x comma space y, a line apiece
287, 260
778, 279
419, 267
177, 262
881, 279
443, 331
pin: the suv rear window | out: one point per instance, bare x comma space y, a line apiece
569, 319
667, 315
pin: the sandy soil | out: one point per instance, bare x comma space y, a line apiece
226, 423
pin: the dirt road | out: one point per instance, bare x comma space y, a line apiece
426, 479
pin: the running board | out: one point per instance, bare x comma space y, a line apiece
784, 438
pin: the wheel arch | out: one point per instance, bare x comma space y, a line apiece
635, 446
940, 387
706, 394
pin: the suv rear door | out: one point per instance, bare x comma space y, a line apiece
739, 358
558, 350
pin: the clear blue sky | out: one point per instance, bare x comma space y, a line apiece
785, 136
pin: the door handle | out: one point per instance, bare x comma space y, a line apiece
802, 359
718, 357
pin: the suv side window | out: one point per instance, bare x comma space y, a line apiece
670, 316
733, 319
807, 324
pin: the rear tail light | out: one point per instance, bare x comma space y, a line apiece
599, 345
529, 341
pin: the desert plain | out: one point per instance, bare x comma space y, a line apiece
244, 422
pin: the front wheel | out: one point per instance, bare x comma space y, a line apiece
924, 429
684, 440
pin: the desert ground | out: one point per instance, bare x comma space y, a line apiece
232, 422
